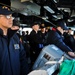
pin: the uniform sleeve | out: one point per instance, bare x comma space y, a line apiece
23, 61
54, 38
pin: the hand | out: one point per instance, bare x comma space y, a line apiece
71, 54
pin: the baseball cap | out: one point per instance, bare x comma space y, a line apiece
62, 24
4, 10
35, 23
42, 25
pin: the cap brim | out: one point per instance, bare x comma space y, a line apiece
5, 12
35, 24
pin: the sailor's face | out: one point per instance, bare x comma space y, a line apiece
6, 21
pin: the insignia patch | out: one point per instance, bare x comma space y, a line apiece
16, 46
5, 7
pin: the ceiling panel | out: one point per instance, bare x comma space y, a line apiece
26, 8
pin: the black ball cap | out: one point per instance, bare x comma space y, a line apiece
35, 23
61, 23
4, 10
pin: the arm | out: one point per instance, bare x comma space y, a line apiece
23, 61
54, 38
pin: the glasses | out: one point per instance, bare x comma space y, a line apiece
7, 16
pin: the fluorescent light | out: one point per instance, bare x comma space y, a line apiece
46, 20
49, 9
45, 17
69, 20
54, 16
55, 1
24, 0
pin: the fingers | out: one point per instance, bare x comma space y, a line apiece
72, 54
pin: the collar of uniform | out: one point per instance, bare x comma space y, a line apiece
9, 34
1, 32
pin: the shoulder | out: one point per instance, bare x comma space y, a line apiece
52, 32
16, 37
